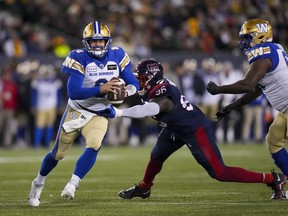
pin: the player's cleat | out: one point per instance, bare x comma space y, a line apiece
135, 191
35, 193
277, 186
69, 191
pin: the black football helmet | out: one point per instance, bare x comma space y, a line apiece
148, 73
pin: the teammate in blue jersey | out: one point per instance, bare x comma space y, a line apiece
267, 73
183, 123
90, 70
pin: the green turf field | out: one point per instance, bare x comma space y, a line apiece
182, 188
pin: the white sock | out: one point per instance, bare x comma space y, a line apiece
75, 180
40, 180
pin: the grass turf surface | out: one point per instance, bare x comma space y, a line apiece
182, 188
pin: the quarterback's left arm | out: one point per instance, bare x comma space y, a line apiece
255, 73
126, 73
132, 86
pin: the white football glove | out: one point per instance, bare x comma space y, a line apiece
130, 90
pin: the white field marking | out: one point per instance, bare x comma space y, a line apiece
212, 203
33, 159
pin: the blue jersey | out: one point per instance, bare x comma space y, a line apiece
95, 71
185, 118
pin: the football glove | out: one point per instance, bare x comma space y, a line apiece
130, 90
212, 88
222, 112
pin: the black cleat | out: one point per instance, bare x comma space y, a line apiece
135, 191
277, 186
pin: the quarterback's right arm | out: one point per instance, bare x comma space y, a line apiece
75, 69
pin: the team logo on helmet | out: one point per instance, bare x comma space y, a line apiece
262, 27
153, 67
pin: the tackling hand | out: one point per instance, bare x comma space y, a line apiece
212, 88
221, 113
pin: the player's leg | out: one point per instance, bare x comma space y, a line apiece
275, 140
62, 144
93, 132
206, 152
166, 145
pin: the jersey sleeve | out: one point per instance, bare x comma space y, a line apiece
266, 50
123, 59
73, 64
160, 90
261, 51
125, 67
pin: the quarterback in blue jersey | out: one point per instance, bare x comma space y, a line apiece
182, 124
268, 74
90, 71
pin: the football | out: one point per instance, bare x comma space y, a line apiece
116, 99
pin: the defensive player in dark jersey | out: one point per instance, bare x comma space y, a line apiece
183, 123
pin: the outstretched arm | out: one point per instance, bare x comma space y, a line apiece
151, 108
254, 74
246, 98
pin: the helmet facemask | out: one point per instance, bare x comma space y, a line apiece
244, 42
97, 51
143, 80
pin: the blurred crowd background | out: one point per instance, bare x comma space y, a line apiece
196, 41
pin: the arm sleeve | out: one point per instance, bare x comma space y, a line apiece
76, 91
141, 111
